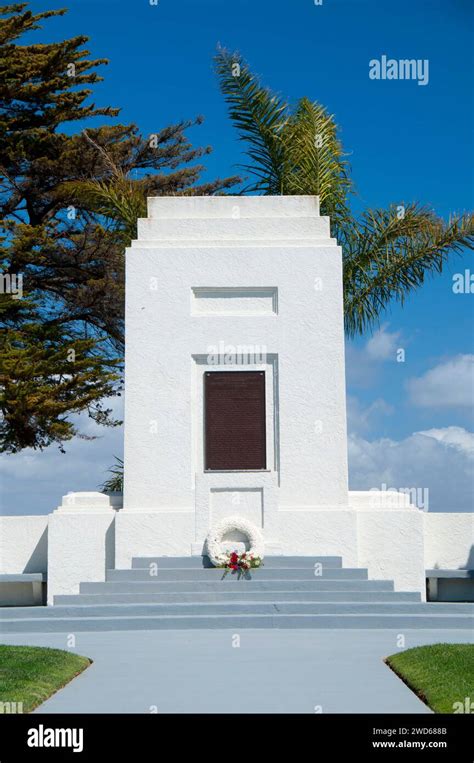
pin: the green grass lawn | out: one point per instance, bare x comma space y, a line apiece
440, 674
30, 674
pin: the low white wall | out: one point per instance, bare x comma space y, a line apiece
449, 541
153, 533
329, 532
390, 545
81, 543
24, 544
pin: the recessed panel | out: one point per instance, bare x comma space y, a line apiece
242, 502
234, 301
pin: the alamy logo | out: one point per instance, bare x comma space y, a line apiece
236, 355
393, 497
11, 708
46, 737
417, 69
467, 706
12, 283
463, 283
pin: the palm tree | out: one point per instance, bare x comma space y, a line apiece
386, 253
116, 197
115, 482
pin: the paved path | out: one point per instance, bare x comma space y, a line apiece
272, 671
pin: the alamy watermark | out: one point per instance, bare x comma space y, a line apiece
394, 498
11, 708
222, 354
12, 283
417, 69
42, 736
466, 706
463, 283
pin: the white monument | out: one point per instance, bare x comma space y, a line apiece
220, 291
235, 407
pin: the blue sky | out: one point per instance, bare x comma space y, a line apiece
406, 142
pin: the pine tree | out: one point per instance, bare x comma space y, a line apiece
69, 253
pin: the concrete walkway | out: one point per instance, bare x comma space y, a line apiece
274, 671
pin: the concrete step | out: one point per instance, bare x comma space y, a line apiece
270, 562
396, 622
154, 573
193, 586
236, 595
237, 607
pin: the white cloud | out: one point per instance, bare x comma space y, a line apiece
449, 384
456, 437
363, 364
441, 460
383, 344
360, 419
33, 482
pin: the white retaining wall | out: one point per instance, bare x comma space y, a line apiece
154, 533
78, 542
23, 544
81, 542
449, 541
390, 538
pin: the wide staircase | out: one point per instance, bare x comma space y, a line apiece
186, 592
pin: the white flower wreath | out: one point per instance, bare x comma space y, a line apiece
216, 534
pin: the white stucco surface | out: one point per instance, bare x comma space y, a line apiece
390, 545
257, 280
81, 542
325, 532
235, 301
449, 541
23, 544
154, 533
381, 500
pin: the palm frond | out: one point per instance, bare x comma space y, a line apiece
259, 117
386, 256
119, 199
316, 160
290, 152
115, 482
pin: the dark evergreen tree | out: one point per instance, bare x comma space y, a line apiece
67, 244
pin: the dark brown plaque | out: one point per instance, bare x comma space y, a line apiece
234, 420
